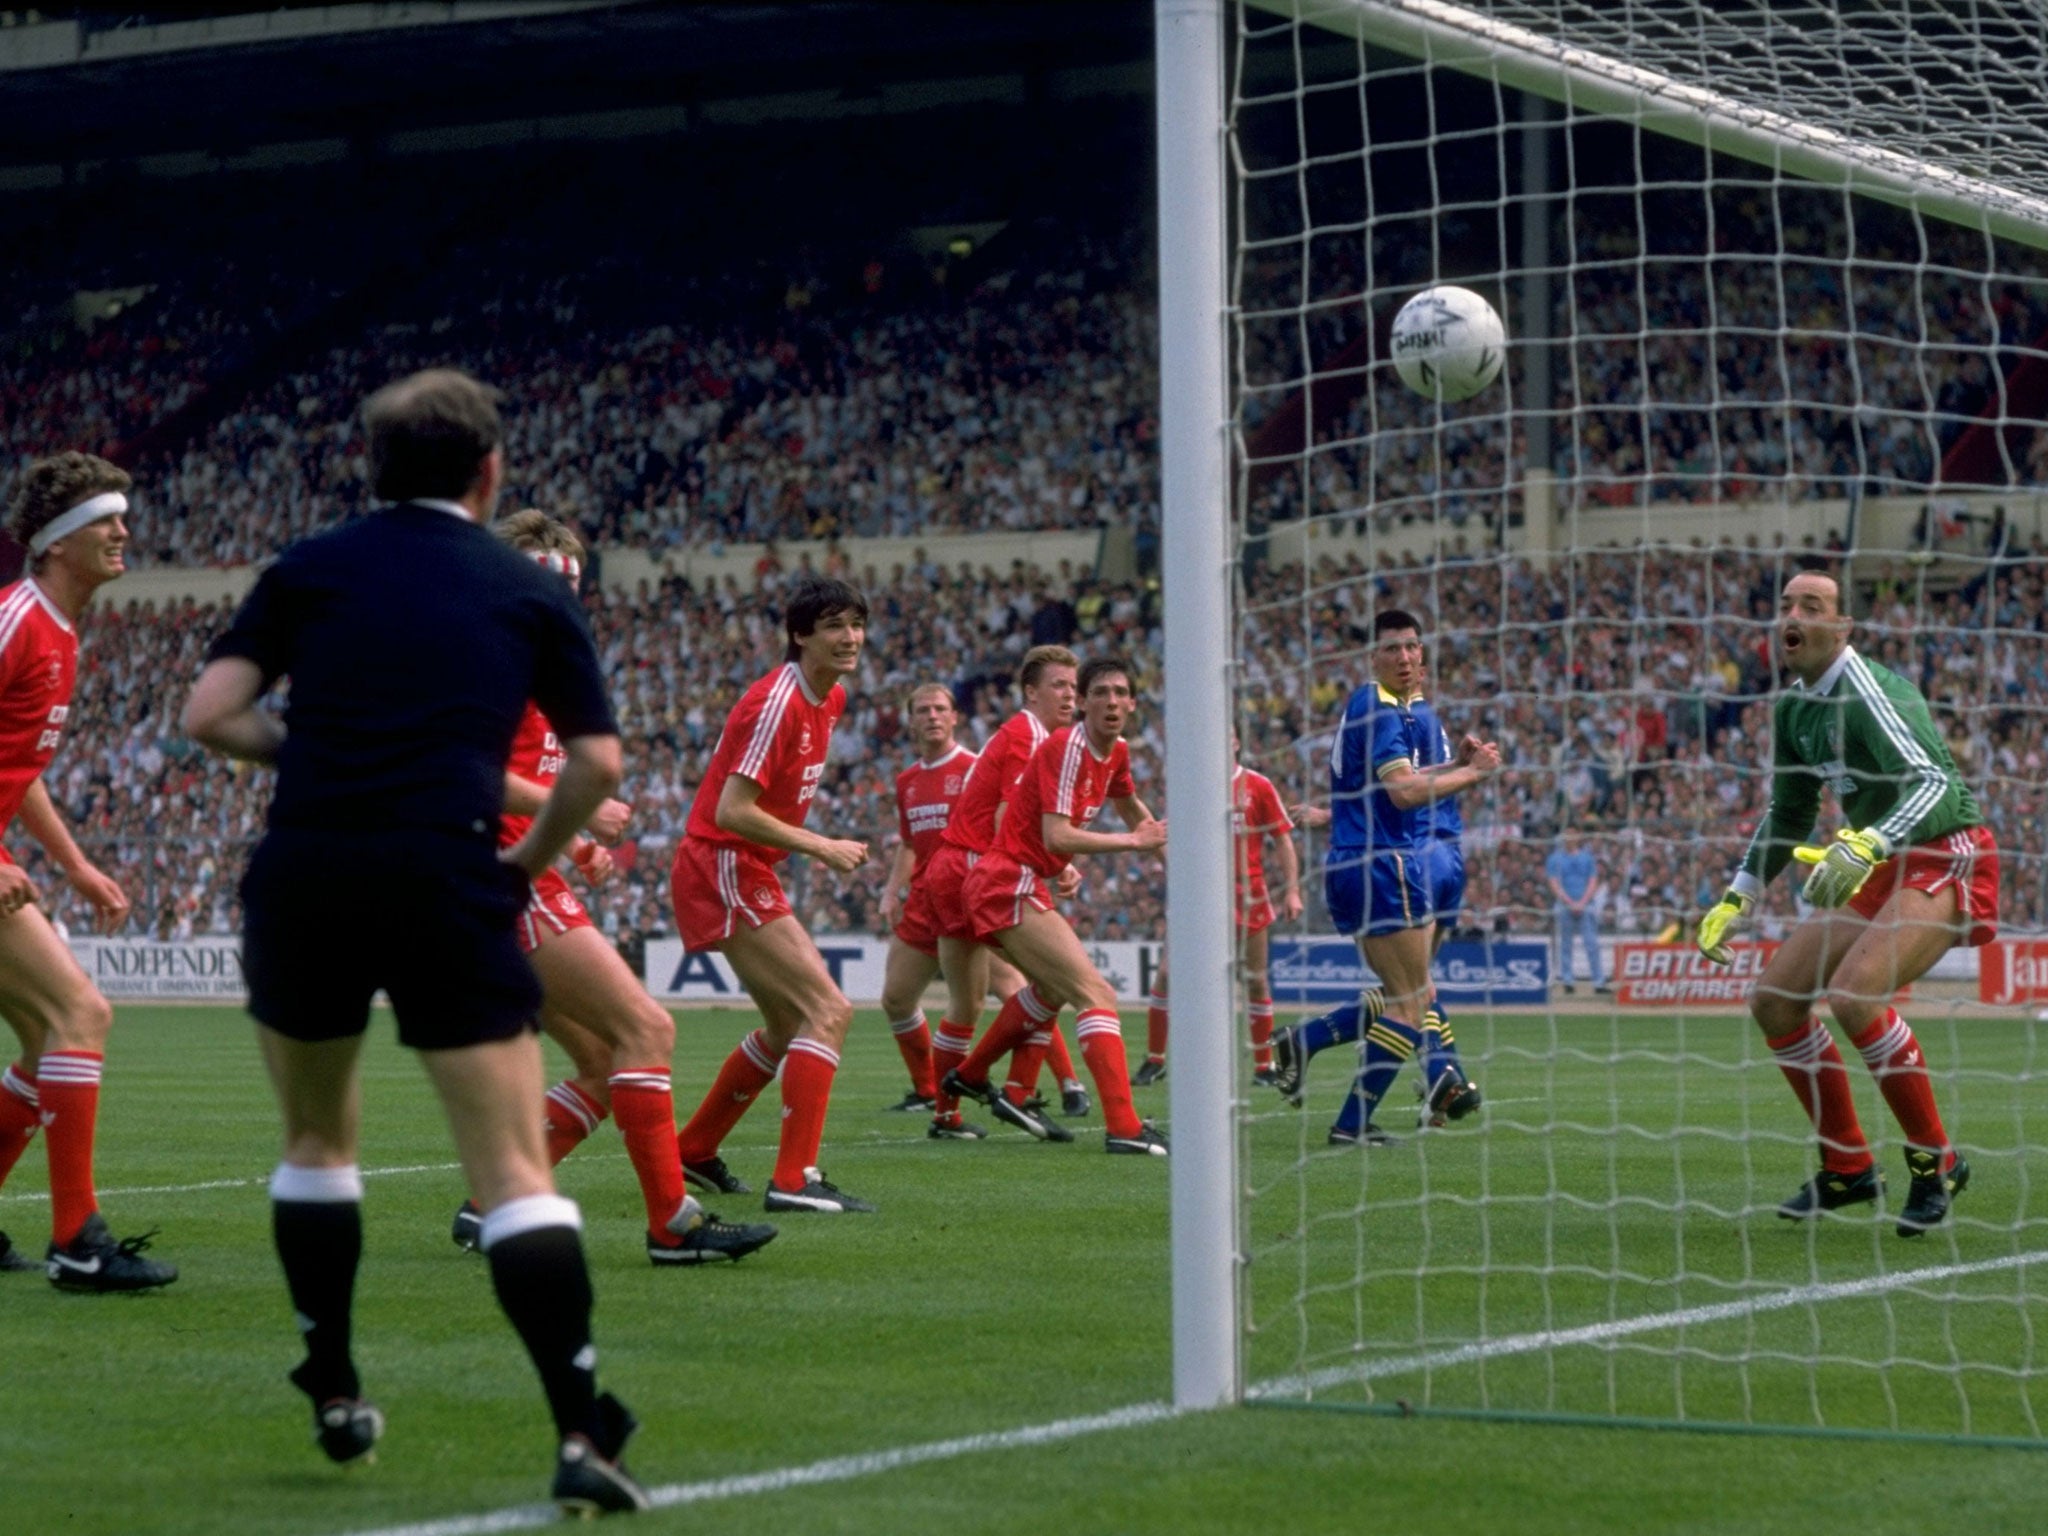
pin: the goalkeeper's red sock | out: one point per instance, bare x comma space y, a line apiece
1813, 1066
1894, 1059
571, 1115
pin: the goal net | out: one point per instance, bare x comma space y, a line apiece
1774, 286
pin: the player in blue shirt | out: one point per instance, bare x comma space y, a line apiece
1449, 1094
1376, 874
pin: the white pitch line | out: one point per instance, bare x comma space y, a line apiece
870, 1141
836, 1469
839, 1469
1621, 1328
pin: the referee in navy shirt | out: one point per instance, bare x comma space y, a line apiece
413, 640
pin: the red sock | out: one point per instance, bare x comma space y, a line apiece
1025, 1063
1894, 1059
1261, 1011
949, 1050
1102, 1044
1155, 1024
571, 1115
646, 1112
69, 1084
806, 1094
914, 1040
1057, 1058
1022, 1013
749, 1069
1813, 1066
20, 1114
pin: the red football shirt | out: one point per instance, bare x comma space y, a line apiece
989, 782
1064, 778
925, 794
38, 670
776, 735
537, 755
1255, 811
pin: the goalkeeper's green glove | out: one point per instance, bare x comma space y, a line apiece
1841, 867
1720, 923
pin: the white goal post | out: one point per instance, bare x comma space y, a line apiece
1677, 70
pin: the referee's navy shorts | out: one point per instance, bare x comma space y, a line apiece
329, 919
1374, 893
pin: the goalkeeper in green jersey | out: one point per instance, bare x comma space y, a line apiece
1913, 873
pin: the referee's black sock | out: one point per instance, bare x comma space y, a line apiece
536, 1252
316, 1218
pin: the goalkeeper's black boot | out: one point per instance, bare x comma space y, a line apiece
1932, 1191
1832, 1191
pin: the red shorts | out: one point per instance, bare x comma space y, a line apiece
1255, 916
944, 882
1967, 860
1000, 892
553, 908
715, 888
919, 925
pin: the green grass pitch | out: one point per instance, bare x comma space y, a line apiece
1007, 1284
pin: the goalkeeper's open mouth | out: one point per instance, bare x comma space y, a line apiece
1791, 639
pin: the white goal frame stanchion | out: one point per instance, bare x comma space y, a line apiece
1194, 387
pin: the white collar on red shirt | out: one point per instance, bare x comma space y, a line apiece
1087, 741
939, 762
49, 607
804, 682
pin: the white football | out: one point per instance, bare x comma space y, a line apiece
1448, 343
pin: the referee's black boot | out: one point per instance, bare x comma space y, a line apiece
590, 1479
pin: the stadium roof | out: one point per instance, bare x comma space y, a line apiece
278, 77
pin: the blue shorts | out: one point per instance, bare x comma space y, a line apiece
1376, 892
1445, 861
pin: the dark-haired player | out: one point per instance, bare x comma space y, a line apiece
1376, 881
1046, 823
747, 817
69, 513
1912, 874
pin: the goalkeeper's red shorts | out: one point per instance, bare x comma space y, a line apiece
553, 908
1966, 860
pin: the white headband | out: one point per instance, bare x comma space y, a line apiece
91, 510
560, 564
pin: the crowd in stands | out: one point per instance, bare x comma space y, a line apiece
673, 381
855, 388
1628, 692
